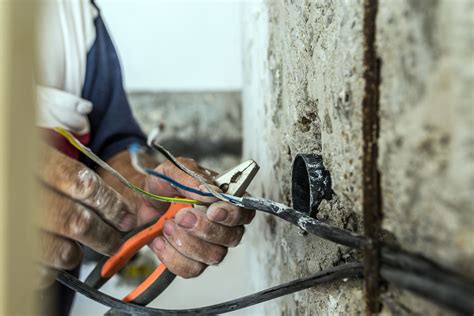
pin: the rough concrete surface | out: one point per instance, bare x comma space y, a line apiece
427, 137
303, 76
303, 89
203, 125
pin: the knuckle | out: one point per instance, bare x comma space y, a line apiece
251, 214
217, 256
111, 246
46, 277
69, 255
87, 183
237, 236
164, 165
192, 270
81, 222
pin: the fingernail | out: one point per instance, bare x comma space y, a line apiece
159, 244
188, 220
218, 214
168, 228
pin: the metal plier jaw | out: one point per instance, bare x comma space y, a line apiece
233, 182
236, 180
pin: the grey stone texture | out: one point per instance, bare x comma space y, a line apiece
204, 125
303, 90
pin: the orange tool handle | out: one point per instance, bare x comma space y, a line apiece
136, 242
149, 281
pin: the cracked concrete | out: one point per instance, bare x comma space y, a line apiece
303, 90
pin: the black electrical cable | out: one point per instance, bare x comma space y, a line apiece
406, 270
409, 271
306, 223
446, 295
433, 281
350, 270
443, 294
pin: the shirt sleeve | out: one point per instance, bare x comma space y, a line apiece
112, 125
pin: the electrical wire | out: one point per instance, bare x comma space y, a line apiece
86, 151
350, 270
400, 268
153, 144
444, 294
403, 269
134, 150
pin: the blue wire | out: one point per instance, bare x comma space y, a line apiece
134, 149
175, 183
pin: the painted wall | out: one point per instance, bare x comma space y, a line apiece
303, 91
177, 45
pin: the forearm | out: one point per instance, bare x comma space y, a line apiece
122, 163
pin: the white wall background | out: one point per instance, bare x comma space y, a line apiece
177, 45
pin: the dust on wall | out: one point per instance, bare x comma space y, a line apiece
303, 90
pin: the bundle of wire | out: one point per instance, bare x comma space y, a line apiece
134, 150
87, 152
407, 270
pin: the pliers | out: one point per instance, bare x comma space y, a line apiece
232, 182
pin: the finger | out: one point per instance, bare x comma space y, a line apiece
197, 224
192, 247
45, 277
59, 252
170, 170
175, 261
68, 218
149, 211
81, 183
229, 215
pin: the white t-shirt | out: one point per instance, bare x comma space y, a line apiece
65, 34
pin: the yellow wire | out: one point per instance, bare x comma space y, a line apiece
86, 151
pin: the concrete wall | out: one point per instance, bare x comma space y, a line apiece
303, 92
205, 126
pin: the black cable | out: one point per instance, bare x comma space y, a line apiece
303, 221
446, 295
350, 270
401, 268
432, 279
443, 294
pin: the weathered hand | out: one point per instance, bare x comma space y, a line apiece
78, 207
197, 237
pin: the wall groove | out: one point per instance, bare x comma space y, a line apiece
371, 188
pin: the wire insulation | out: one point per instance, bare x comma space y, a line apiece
86, 151
349, 270
406, 270
134, 149
151, 142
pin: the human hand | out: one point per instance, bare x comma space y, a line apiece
77, 207
197, 237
